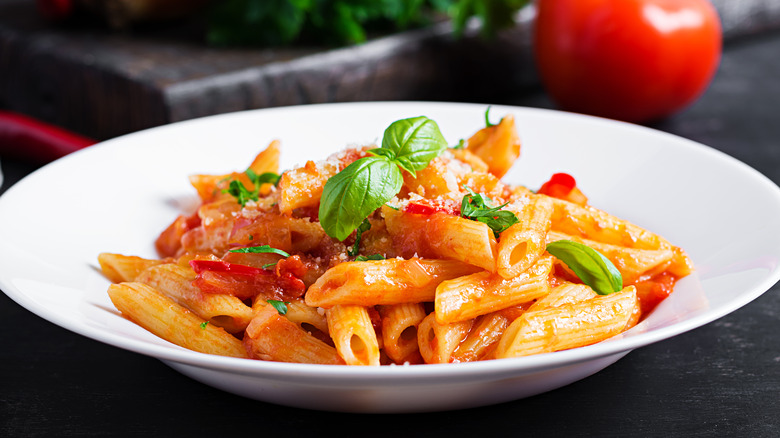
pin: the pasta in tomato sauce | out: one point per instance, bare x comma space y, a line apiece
411, 252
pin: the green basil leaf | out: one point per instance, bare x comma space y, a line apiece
280, 306
362, 228
371, 257
478, 207
260, 249
263, 178
591, 266
243, 195
414, 142
354, 193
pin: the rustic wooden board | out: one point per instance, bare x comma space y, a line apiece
103, 84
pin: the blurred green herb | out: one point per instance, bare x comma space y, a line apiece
341, 22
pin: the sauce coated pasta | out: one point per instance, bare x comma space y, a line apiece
407, 252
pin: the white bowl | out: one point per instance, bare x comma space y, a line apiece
118, 195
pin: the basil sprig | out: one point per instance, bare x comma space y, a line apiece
351, 195
261, 249
591, 266
361, 258
478, 207
243, 195
362, 228
280, 306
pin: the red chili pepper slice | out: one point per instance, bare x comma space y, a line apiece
223, 266
27, 139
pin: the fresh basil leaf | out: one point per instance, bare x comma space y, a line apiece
263, 178
591, 266
478, 207
243, 195
371, 257
362, 228
354, 193
382, 152
260, 249
280, 306
414, 142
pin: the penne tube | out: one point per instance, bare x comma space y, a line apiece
567, 293
442, 236
210, 187
353, 334
302, 187
175, 282
593, 224
392, 281
399, 330
119, 268
437, 341
497, 145
268, 159
467, 297
437, 179
523, 243
270, 336
569, 325
160, 315
482, 338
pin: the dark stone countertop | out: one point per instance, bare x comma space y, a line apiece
722, 379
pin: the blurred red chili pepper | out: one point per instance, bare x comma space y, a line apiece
24, 138
55, 10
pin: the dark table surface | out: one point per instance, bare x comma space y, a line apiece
722, 379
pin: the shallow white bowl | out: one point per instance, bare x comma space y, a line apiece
118, 195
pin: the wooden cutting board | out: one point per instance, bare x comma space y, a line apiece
103, 84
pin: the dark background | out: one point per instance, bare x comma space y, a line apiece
722, 379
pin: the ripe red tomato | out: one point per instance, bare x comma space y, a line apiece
632, 60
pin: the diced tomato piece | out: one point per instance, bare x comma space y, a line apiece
429, 206
563, 186
651, 292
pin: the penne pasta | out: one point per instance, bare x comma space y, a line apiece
568, 325
176, 282
351, 330
400, 323
438, 342
482, 338
442, 235
172, 322
270, 336
119, 268
524, 242
416, 253
477, 294
383, 282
